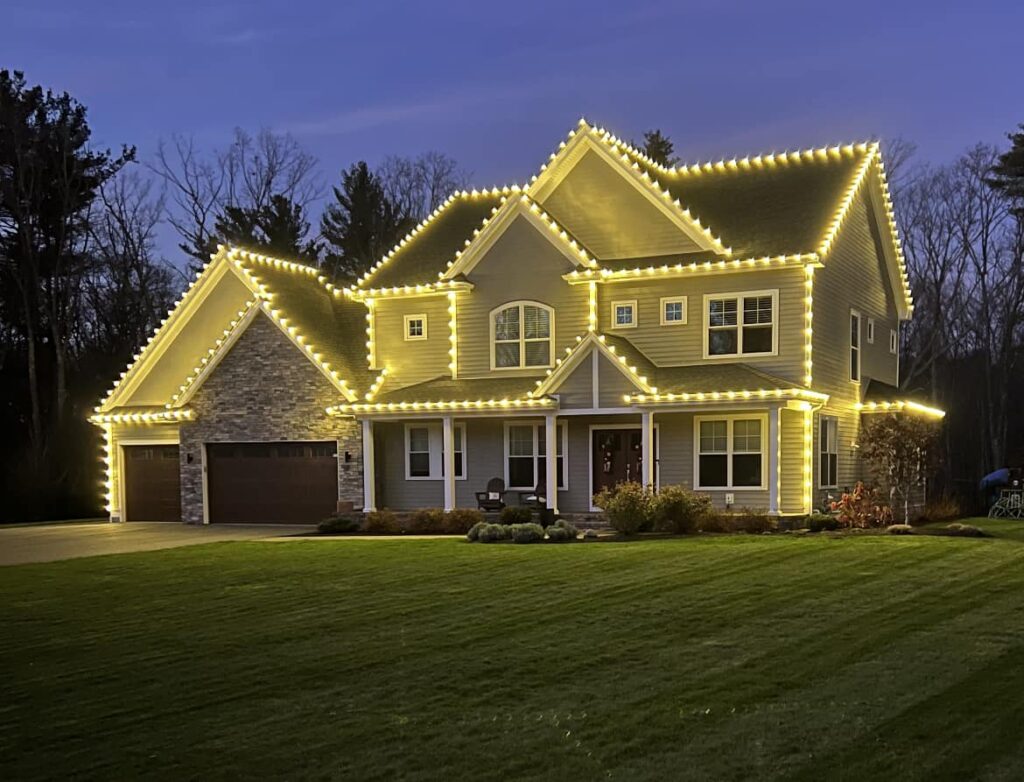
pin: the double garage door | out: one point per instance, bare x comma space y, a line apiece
282, 483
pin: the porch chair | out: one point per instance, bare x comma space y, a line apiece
535, 498
492, 500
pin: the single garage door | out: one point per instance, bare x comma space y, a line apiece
283, 483
152, 483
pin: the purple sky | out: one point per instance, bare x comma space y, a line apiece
497, 85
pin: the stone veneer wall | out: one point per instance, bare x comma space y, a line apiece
265, 390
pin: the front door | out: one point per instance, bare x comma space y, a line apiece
617, 457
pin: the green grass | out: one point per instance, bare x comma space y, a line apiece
780, 657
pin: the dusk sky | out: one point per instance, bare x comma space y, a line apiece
497, 86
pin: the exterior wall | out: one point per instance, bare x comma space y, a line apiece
684, 344
411, 361
577, 390
521, 265
854, 277
612, 385
265, 390
791, 462
132, 434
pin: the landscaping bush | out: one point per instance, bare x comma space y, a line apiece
754, 522
819, 522
716, 521
628, 507
461, 520
526, 533
429, 521
516, 514
381, 522
679, 510
562, 532
339, 524
900, 529
492, 533
862, 508
942, 509
965, 530
474, 532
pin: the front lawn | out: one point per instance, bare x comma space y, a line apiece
737, 657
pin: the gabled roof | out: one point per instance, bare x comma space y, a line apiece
636, 371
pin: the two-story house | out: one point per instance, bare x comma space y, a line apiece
723, 326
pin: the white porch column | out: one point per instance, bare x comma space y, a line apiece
773, 460
448, 454
648, 471
551, 460
369, 474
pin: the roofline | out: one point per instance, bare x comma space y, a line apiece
564, 367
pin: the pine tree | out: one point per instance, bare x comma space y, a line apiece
1008, 174
659, 148
278, 228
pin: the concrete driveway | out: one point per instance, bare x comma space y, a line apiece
50, 542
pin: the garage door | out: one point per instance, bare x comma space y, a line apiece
152, 483
283, 483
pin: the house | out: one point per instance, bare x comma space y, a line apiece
724, 326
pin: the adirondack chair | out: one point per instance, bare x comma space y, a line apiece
535, 498
492, 500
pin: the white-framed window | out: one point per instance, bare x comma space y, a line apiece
522, 335
526, 454
871, 331
673, 310
828, 452
854, 346
624, 314
894, 342
738, 324
424, 451
415, 327
730, 451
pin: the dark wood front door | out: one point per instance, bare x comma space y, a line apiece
152, 483
617, 457
273, 483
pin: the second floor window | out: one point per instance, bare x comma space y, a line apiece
740, 324
623, 314
828, 451
415, 327
855, 346
523, 335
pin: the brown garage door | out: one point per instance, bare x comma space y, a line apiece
152, 483
284, 483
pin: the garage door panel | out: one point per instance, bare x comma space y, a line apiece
152, 483
291, 482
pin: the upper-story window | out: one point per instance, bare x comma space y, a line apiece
855, 346
741, 324
523, 335
415, 327
624, 314
673, 310
894, 342
871, 331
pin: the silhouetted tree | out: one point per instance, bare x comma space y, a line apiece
659, 148
278, 228
1007, 173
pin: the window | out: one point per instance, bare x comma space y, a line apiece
740, 324
522, 336
624, 314
871, 331
424, 451
730, 453
526, 455
673, 311
828, 452
415, 327
855, 346
894, 342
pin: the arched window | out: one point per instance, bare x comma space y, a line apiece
522, 335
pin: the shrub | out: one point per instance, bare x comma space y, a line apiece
628, 507
900, 529
861, 508
492, 533
965, 530
427, 522
942, 509
474, 532
516, 514
819, 522
526, 533
716, 521
562, 532
339, 524
679, 510
382, 522
753, 521
461, 520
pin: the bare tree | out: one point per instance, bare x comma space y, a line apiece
417, 186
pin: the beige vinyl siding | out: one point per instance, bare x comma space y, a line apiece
610, 216
791, 463
521, 265
205, 325
851, 467
673, 345
411, 361
612, 385
577, 390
